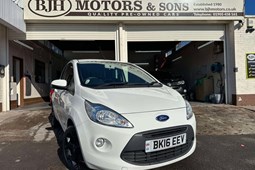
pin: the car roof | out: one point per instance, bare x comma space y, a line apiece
98, 61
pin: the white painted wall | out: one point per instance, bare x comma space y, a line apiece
4, 80
244, 43
11, 15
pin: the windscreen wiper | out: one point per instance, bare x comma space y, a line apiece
155, 84
118, 84
111, 84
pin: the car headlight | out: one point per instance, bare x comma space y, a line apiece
189, 111
106, 116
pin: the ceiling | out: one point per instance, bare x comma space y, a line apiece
110, 45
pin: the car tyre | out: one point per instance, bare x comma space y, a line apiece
53, 121
72, 151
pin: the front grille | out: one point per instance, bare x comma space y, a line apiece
134, 152
164, 132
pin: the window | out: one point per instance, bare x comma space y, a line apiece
68, 76
39, 72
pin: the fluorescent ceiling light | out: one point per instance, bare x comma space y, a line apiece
153, 51
77, 40
205, 44
176, 59
142, 64
85, 52
170, 52
23, 44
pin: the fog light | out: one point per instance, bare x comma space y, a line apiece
100, 142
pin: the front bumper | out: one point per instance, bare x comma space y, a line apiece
123, 145
134, 152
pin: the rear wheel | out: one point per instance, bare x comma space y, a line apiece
72, 151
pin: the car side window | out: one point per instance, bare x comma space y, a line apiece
68, 76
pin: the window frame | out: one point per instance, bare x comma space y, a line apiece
67, 72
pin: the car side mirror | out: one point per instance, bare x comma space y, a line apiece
59, 84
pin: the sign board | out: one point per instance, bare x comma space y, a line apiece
250, 7
250, 65
133, 10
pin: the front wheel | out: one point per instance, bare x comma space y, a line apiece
72, 151
53, 121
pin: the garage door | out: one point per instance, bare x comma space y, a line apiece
175, 32
71, 32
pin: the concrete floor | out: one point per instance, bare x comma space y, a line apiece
225, 139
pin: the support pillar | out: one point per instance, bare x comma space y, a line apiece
4, 62
122, 44
230, 78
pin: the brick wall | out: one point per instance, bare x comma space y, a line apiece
244, 43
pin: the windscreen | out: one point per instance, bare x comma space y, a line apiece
113, 74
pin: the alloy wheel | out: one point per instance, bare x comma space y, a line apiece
71, 150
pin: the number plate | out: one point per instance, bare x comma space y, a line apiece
165, 143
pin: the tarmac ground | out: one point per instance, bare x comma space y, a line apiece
225, 139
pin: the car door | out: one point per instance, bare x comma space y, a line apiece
66, 96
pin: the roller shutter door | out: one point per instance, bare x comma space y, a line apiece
180, 32
71, 32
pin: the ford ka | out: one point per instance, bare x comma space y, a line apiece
115, 115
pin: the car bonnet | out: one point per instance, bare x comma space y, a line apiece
135, 100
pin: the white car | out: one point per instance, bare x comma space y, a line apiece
115, 115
